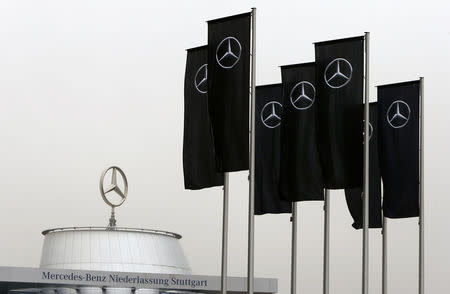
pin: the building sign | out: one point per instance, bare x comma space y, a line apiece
20, 277
130, 280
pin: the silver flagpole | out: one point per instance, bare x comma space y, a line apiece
251, 202
326, 243
223, 285
294, 249
384, 233
365, 262
421, 197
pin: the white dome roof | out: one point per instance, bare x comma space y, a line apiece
121, 249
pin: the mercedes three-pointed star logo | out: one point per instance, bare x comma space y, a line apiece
271, 114
228, 52
302, 95
114, 186
398, 114
201, 79
338, 73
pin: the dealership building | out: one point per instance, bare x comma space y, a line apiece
115, 260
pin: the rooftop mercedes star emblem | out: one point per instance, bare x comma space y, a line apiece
271, 114
113, 187
398, 114
201, 79
338, 73
302, 95
228, 52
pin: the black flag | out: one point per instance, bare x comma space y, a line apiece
301, 172
339, 72
228, 89
267, 151
198, 149
354, 196
398, 117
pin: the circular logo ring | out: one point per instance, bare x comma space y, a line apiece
201, 79
370, 130
341, 64
228, 43
398, 114
113, 187
273, 116
303, 95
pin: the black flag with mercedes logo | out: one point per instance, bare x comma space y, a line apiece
198, 149
340, 80
398, 115
354, 195
228, 89
267, 151
301, 171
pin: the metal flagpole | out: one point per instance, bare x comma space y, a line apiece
421, 197
385, 256
326, 244
365, 262
251, 202
294, 249
223, 285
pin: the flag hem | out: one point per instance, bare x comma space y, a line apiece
399, 84
196, 48
226, 18
340, 40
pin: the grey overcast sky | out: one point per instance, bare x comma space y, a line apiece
88, 84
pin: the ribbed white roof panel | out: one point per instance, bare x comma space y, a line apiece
90, 290
128, 250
